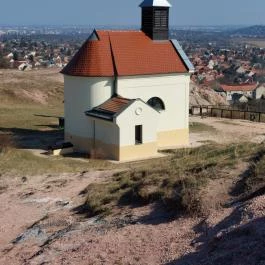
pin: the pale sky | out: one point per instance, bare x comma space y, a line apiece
127, 12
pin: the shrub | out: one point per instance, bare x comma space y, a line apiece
6, 142
176, 181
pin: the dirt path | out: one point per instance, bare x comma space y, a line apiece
228, 131
26, 200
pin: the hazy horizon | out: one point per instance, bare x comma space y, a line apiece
127, 13
130, 26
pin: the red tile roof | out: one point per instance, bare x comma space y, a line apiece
115, 104
127, 53
93, 59
243, 87
109, 108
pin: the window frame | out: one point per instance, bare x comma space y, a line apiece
138, 134
154, 102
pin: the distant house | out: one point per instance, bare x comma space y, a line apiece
24, 66
248, 90
241, 70
260, 92
10, 56
239, 98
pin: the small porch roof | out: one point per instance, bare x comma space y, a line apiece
110, 108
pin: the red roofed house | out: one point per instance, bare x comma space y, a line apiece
127, 92
239, 93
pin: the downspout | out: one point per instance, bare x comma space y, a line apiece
94, 134
115, 84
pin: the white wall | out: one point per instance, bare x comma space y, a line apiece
173, 89
260, 91
229, 94
81, 94
105, 131
129, 118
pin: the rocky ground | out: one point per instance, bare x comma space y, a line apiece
40, 224
205, 96
227, 131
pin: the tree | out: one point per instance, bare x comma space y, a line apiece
15, 56
31, 58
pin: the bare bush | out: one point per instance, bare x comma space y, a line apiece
6, 142
177, 181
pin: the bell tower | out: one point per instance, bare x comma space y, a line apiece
155, 18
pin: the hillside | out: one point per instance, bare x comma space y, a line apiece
205, 96
46, 205
203, 204
37, 86
253, 31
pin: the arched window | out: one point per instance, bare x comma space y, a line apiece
156, 103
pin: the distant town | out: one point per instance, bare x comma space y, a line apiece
230, 55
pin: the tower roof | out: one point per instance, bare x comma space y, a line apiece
150, 3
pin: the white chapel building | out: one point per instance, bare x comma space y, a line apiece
127, 92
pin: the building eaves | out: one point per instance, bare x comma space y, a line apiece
183, 56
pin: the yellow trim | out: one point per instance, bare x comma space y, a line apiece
111, 151
138, 151
173, 138
97, 149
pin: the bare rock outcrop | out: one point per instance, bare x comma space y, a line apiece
202, 95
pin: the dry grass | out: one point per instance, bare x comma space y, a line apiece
6, 142
30, 104
257, 43
29, 116
197, 127
24, 95
41, 87
25, 163
175, 181
254, 178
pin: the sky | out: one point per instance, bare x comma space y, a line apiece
127, 12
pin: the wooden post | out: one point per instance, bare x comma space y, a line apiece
222, 113
244, 115
201, 110
231, 114
259, 116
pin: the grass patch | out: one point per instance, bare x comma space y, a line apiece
228, 123
42, 86
29, 116
6, 142
21, 162
27, 122
252, 182
197, 127
258, 177
175, 181
255, 177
